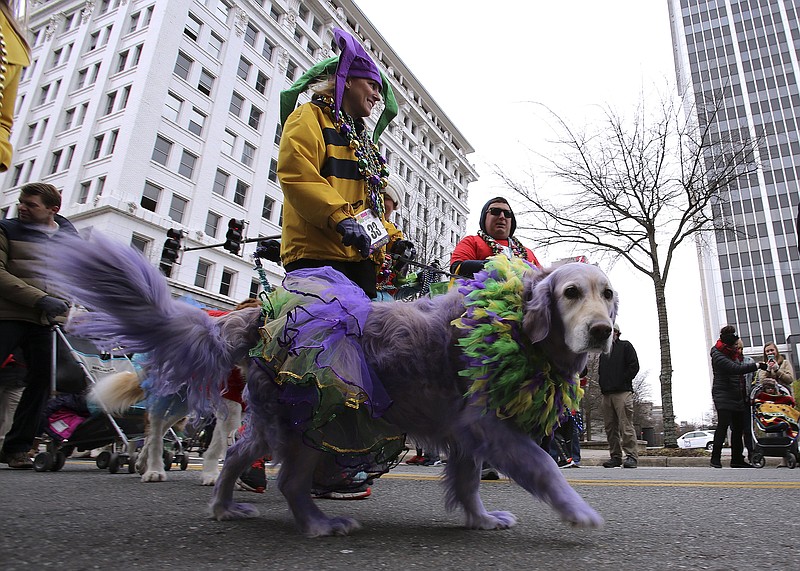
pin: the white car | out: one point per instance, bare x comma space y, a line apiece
697, 439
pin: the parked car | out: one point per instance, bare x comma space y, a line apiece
697, 439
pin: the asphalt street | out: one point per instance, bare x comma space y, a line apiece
656, 518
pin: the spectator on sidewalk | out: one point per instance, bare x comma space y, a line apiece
616, 373
28, 307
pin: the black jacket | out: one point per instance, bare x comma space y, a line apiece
727, 389
618, 368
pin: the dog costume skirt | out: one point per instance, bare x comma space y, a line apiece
310, 349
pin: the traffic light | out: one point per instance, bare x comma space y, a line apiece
233, 239
170, 252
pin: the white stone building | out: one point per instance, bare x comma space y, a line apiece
156, 114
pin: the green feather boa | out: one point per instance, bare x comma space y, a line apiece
510, 376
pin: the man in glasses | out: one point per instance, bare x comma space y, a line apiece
496, 236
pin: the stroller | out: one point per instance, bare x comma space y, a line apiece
775, 423
71, 423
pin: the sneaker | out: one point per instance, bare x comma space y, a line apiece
612, 463
360, 493
630, 462
568, 464
254, 478
415, 459
18, 460
489, 473
431, 462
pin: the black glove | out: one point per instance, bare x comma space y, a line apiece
52, 307
467, 268
763, 366
404, 248
354, 235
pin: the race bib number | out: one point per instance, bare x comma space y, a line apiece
372, 224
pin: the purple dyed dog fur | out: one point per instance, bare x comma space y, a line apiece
411, 348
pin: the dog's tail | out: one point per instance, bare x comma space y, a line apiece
131, 307
118, 392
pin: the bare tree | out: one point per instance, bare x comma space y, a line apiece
635, 189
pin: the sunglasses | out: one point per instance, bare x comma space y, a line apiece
501, 211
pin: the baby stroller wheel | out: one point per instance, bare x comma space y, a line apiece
758, 460
113, 463
59, 461
183, 460
102, 459
168, 458
132, 463
791, 461
43, 462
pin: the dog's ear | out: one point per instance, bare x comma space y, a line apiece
537, 298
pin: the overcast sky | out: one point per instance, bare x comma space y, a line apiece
485, 64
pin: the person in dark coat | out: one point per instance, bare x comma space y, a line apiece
615, 375
728, 393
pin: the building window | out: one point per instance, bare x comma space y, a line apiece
55, 160
140, 243
206, 82
193, 27
251, 35
161, 150
183, 65
212, 224
248, 154
220, 182
188, 162
122, 61
203, 270
266, 210
137, 55
261, 82
98, 146
255, 286
196, 121
244, 69
177, 208
278, 131
291, 70
237, 102
226, 282
112, 141
222, 11
228, 142
215, 45
150, 196
273, 170
111, 98
255, 117
126, 94
268, 50
240, 196
70, 155
83, 193
172, 107
69, 115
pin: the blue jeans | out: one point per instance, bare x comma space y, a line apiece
36, 342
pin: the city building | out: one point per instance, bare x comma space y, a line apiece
743, 51
154, 115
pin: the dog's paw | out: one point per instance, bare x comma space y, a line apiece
331, 526
492, 520
153, 476
582, 517
232, 510
209, 479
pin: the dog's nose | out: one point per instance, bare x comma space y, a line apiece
600, 332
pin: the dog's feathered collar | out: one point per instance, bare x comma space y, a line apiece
510, 376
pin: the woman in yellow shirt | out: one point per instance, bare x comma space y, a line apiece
14, 55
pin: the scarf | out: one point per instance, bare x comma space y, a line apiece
728, 351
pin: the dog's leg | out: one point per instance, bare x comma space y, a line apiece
251, 446
150, 462
294, 482
228, 420
532, 468
462, 481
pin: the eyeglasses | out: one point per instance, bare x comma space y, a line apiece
501, 211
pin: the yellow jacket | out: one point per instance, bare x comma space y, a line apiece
18, 58
321, 186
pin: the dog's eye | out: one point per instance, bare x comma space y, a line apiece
572, 292
608, 294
